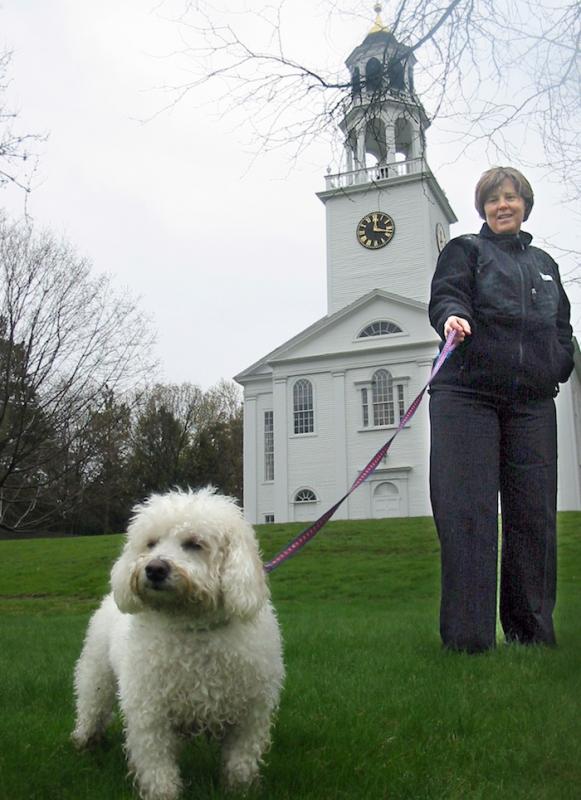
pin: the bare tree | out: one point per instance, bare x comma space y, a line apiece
15, 147
501, 72
166, 418
222, 402
67, 341
183, 436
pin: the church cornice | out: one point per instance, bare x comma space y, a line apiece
279, 365
387, 470
321, 324
362, 182
395, 347
359, 186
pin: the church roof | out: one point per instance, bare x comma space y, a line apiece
379, 38
320, 325
378, 26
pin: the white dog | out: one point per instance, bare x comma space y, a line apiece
187, 640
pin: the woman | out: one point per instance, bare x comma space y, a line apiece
493, 422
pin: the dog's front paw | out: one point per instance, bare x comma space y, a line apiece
159, 789
161, 782
83, 740
239, 776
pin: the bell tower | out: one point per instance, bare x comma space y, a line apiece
387, 217
385, 121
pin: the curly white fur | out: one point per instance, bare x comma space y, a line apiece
188, 641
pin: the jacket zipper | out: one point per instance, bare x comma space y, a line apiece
523, 314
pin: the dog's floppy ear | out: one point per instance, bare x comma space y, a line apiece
243, 581
123, 594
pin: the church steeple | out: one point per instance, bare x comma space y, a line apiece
378, 25
384, 123
386, 214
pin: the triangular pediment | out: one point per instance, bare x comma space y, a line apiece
338, 333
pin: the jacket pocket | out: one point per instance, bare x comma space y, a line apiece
544, 362
562, 360
545, 297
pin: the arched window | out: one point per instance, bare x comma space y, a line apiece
356, 82
304, 416
382, 327
395, 74
305, 496
382, 401
375, 139
382, 398
403, 135
373, 75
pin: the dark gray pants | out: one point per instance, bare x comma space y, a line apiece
480, 447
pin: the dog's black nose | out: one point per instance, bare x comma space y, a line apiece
157, 570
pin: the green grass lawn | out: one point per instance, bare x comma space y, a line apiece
372, 707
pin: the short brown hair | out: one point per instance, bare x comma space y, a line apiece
491, 180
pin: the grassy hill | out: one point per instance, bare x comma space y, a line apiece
372, 708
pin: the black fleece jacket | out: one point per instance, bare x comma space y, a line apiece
511, 294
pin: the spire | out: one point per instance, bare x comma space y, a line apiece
378, 26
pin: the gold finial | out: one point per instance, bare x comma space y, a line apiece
378, 26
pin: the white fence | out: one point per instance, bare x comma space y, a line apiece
379, 172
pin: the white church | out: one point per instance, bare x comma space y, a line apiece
319, 406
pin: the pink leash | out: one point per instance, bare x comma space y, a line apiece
309, 533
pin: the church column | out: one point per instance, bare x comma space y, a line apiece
360, 155
389, 140
340, 428
349, 155
281, 423
250, 460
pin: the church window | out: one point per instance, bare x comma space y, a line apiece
403, 135
410, 74
373, 75
365, 405
383, 401
382, 394
400, 401
356, 82
304, 416
381, 327
376, 140
269, 519
305, 496
395, 75
268, 445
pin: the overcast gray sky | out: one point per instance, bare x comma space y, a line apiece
225, 250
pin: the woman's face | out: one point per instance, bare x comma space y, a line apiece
504, 209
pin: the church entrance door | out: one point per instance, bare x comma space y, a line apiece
386, 500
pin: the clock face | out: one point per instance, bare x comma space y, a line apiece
375, 230
441, 237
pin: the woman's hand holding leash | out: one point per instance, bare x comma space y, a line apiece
460, 326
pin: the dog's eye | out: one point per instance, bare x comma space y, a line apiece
191, 544
151, 543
